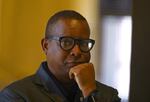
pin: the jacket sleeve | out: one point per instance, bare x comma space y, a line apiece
97, 96
8, 95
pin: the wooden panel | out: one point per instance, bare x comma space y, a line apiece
140, 62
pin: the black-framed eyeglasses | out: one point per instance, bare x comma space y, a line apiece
67, 43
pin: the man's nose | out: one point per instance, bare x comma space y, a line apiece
76, 51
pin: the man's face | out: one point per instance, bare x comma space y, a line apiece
61, 61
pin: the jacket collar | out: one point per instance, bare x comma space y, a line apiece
47, 80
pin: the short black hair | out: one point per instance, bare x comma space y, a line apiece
65, 14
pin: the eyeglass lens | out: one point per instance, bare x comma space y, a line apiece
67, 43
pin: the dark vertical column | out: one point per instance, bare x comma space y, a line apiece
140, 59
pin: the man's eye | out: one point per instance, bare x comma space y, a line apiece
84, 44
67, 42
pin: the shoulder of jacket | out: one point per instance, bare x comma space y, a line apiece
105, 89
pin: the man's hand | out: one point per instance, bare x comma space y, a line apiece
84, 75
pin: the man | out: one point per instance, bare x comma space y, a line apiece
67, 75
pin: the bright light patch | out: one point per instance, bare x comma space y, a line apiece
116, 53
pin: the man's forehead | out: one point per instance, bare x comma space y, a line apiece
68, 20
70, 27
69, 23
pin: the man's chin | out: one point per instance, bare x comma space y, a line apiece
70, 65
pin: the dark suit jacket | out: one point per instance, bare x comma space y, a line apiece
40, 87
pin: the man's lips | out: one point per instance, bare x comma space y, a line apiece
72, 64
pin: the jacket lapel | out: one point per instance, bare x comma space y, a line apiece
49, 87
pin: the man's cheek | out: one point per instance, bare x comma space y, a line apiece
87, 57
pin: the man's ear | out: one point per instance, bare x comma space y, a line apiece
44, 43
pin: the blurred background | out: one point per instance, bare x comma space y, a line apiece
112, 23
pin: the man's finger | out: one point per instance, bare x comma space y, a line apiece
71, 73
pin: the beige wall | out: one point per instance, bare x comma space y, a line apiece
22, 24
